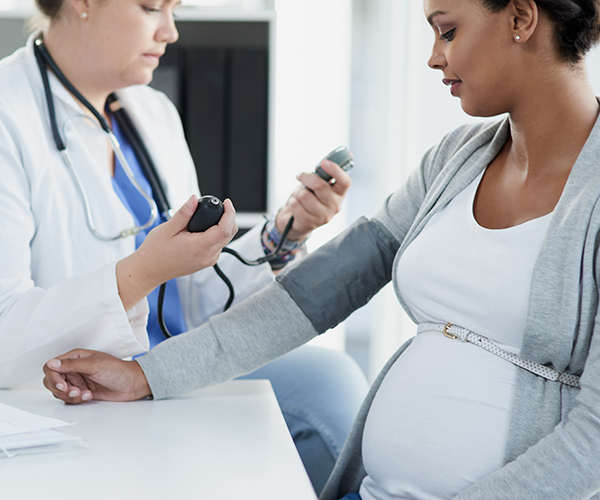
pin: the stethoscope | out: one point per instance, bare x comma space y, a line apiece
125, 123
161, 204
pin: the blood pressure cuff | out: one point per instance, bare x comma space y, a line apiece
342, 275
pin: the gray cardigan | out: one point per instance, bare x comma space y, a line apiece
553, 449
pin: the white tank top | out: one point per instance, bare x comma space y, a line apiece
439, 421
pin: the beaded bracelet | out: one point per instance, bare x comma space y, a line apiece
270, 240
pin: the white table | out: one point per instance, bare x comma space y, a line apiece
224, 442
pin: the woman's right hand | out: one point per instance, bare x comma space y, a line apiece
82, 375
170, 251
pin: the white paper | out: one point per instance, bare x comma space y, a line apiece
21, 431
13, 420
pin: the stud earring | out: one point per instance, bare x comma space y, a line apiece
84, 15
518, 37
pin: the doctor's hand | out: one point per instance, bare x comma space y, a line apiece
82, 375
316, 205
170, 251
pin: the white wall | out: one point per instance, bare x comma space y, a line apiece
379, 135
312, 100
312, 86
593, 64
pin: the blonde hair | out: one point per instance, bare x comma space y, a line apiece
50, 9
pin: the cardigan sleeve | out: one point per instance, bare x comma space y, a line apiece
306, 299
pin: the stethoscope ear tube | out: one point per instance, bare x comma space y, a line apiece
43, 58
51, 111
42, 53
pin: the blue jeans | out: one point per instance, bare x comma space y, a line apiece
319, 391
351, 496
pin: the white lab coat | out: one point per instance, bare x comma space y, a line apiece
58, 287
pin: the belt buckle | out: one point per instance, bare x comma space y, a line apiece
447, 333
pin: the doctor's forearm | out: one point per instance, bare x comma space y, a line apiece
133, 284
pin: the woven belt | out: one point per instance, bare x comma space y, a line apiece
458, 332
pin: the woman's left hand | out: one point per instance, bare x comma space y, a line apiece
316, 205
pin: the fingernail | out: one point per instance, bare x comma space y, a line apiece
54, 363
86, 396
190, 201
73, 393
60, 387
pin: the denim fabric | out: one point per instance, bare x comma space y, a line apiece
319, 391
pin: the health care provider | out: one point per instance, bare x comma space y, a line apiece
493, 248
62, 286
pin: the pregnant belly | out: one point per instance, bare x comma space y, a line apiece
439, 421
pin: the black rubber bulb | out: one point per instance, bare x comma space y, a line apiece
207, 214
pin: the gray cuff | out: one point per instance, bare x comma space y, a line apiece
342, 275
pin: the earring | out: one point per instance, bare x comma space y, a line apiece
84, 15
518, 37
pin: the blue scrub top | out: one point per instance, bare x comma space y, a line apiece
140, 210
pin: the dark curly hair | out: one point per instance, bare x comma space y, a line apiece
576, 24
